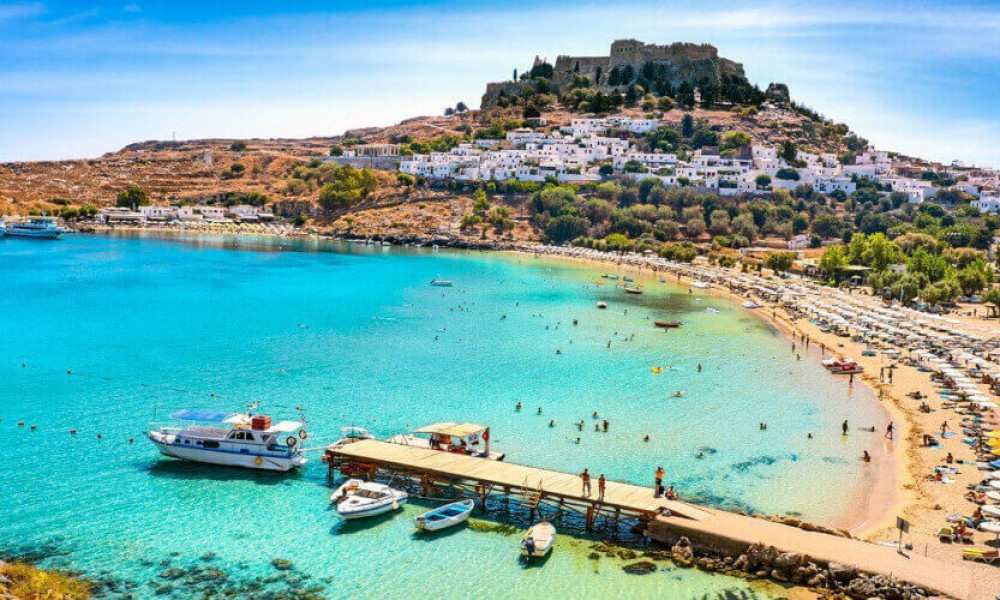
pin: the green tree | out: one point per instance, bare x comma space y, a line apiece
833, 261
238, 146
347, 186
732, 140
974, 277
763, 181
992, 296
566, 227
880, 253
131, 197
780, 262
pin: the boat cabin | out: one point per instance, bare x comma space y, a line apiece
245, 432
461, 438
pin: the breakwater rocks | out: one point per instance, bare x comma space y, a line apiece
831, 580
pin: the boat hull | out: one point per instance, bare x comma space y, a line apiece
228, 459
425, 523
38, 235
372, 511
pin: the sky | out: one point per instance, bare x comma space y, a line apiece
80, 79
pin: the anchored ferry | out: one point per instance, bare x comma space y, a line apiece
34, 228
240, 440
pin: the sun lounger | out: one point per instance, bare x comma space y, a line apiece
986, 555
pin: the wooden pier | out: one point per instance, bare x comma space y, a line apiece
660, 519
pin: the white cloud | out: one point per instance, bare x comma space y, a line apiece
10, 12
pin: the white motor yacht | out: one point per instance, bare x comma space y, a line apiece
238, 440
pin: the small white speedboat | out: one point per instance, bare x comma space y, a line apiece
368, 499
538, 540
442, 283
445, 516
350, 435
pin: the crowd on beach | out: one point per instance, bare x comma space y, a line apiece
952, 366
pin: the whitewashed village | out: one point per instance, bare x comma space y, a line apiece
593, 149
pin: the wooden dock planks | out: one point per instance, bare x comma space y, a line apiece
519, 478
709, 526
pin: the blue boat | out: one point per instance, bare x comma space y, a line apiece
34, 228
445, 516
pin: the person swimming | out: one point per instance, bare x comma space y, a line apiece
517, 406
552, 423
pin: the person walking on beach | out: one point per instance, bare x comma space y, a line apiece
585, 478
600, 487
944, 428
889, 429
890, 375
844, 427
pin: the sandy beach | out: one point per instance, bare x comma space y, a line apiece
902, 482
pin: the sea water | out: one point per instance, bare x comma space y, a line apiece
104, 334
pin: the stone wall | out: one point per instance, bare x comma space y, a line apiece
685, 62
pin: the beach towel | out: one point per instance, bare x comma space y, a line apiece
949, 434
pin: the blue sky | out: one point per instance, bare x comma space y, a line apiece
80, 79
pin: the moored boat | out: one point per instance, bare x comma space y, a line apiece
667, 324
632, 290
537, 541
445, 516
602, 305
459, 438
349, 435
442, 283
247, 440
39, 228
368, 499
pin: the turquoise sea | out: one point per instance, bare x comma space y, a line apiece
98, 332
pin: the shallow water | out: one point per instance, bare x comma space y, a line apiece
355, 335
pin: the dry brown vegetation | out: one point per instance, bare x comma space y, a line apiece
28, 582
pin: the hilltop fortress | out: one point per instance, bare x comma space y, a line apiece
682, 62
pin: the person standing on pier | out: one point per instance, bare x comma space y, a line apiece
600, 487
585, 478
660, 472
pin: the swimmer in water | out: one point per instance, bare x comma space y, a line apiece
518, 406
552, 423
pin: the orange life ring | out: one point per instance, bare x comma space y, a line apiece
303, 434
291, 441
